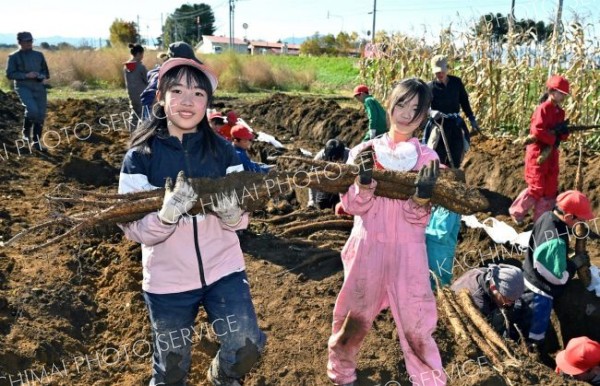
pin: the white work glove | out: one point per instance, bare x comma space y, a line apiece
177, 200
435, 114
228, 209
310, 204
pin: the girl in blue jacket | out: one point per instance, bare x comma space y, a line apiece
190, 261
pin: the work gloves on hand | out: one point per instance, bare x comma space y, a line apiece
581, 260
366, 163
474, 125
228, 209
426, 179
435, 114
562, 128
178, 200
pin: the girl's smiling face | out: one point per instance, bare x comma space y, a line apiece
404, 122
185, 107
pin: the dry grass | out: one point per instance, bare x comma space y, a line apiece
104, 69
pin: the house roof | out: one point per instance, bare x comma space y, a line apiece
223, 40
263, 44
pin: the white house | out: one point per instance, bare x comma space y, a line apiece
220, 44
258, 47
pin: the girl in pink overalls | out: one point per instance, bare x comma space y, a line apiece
385, 258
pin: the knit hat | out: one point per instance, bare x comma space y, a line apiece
508, 279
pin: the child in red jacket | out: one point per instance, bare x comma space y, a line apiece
548, 127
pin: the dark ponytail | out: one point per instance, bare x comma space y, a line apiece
135, 49
544, 97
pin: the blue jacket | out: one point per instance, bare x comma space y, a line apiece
249, 166
21, 62
441, 237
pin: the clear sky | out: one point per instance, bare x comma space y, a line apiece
277, 19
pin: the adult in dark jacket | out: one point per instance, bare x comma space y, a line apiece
547, 268
29, 71
492, 289
136, 80
449, 96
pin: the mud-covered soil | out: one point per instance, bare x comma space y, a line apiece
73, 314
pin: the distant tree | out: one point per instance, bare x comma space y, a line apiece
65, 46
188, 23
123, 32
342, 44
45, 45
496, 26
312, 46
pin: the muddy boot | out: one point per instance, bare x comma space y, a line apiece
27, 124
37, 136
216, 377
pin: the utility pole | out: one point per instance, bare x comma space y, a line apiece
511, 18
139, 31
162, 31
231, 33
198, 28
556, 35
374, 13
558, 22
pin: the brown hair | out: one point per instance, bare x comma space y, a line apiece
405, 90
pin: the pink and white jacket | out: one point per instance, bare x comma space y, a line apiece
198, 250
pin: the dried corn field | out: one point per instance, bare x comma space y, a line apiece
504, 80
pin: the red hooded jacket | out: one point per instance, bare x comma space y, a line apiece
542, 180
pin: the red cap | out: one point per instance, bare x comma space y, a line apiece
361, 88
558, 83
580, 355
176, 62
575, 203
241, 132
215, 114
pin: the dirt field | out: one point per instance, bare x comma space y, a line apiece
73, 314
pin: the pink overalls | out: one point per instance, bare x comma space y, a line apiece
385, 265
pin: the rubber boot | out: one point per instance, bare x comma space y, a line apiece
37, 136
216, 377
27, 129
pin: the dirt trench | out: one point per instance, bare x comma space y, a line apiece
73, 314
